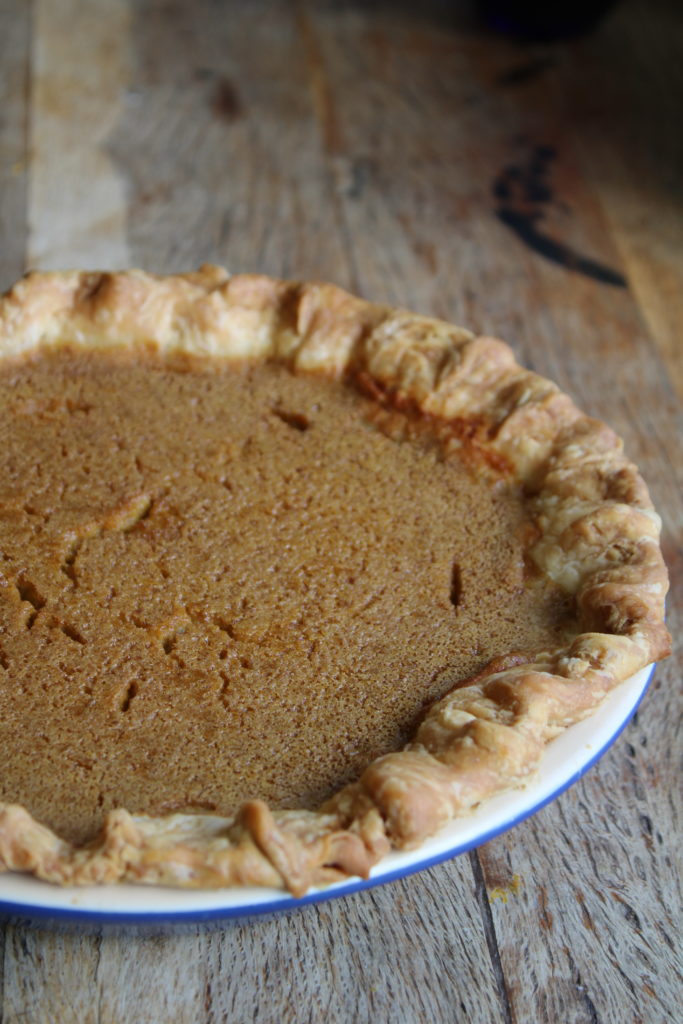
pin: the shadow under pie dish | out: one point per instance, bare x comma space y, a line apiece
289, 579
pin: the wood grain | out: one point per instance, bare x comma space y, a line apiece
77, 202
413, 952
636, 87
14, 101
529, 191
219, 144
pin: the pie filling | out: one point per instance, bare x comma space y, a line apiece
220, 582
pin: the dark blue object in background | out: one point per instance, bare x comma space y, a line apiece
557, 19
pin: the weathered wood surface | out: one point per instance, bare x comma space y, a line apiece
535, 192
14, 102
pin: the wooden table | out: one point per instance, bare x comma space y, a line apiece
535, 191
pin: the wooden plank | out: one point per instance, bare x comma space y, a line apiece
413, 952
594, 874
494, 221
49, 976
77, 200
14, 84
636, 89
219, 145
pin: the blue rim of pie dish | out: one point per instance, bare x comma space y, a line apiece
61, 915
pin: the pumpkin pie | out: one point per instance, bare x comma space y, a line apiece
289, 579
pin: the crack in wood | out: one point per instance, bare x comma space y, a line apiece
582, 991
481, 896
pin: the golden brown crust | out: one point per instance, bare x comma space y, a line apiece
598, 538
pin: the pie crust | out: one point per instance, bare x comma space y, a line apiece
598, 538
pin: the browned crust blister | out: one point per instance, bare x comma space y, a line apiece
598, 538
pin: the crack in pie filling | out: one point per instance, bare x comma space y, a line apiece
287, 578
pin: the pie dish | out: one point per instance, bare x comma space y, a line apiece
565, 760
590, 535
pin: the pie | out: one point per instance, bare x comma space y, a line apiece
289, 579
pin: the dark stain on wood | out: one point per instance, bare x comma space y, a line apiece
545, 917
160, 193
481, 896
522, 192
496, 869
646, 829
361, 172
519, 74
629, 913
427, 253
320, 86
586, 918
225, 102
587, 1001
